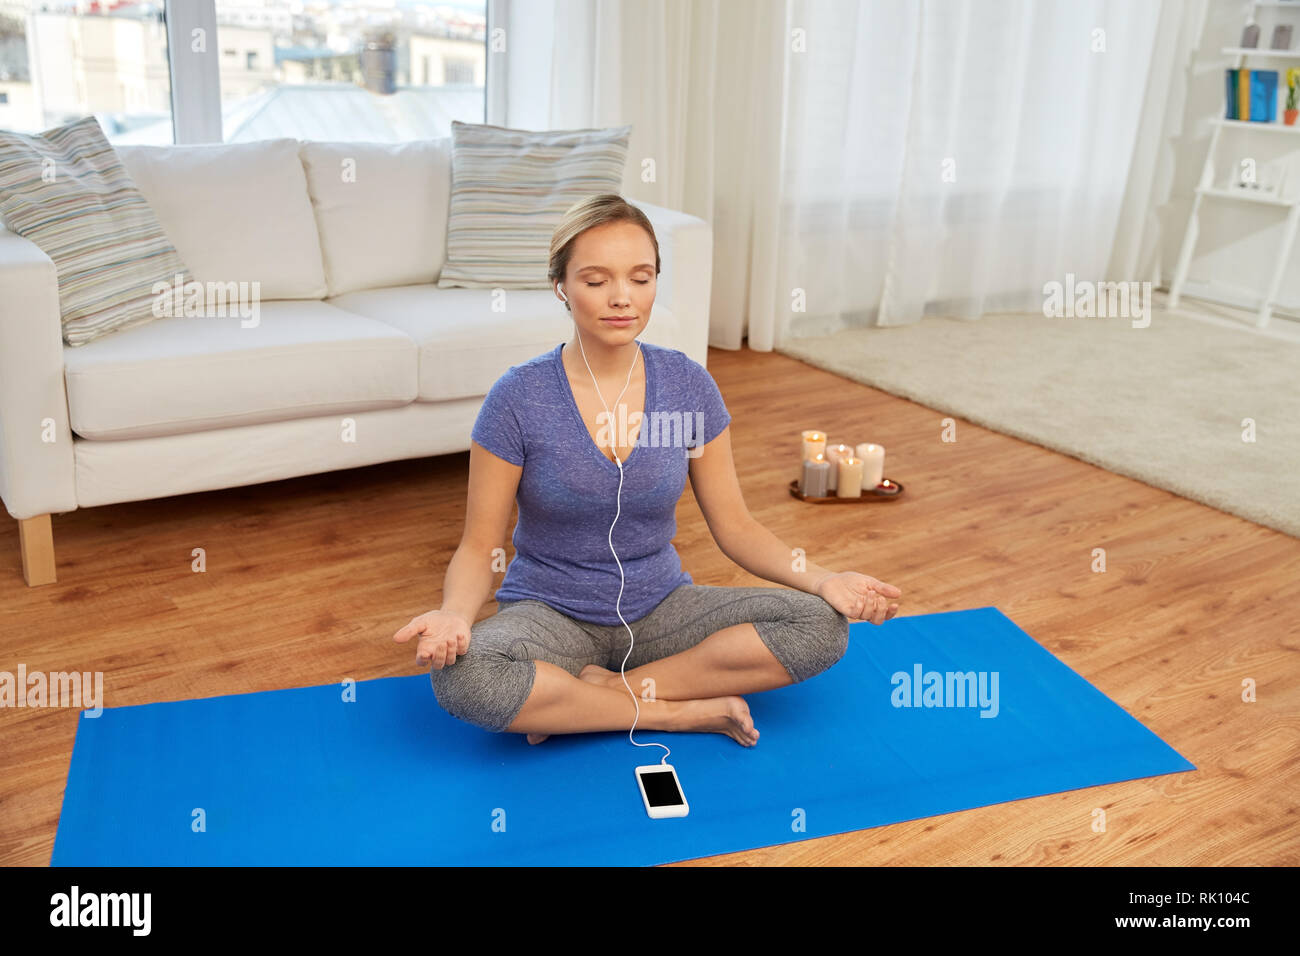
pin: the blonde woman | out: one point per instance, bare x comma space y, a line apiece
601, 430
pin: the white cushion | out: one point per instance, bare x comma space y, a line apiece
184, 374
381, 210
465, 345
235, 212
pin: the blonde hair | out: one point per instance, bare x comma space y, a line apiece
587, 214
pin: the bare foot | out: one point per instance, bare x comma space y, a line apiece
592, 674
725, 715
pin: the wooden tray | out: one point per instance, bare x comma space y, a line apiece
878, 494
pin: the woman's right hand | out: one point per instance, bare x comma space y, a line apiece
443, 635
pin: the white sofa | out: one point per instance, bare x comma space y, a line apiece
356, 357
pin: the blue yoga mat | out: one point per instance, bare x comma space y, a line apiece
302, 776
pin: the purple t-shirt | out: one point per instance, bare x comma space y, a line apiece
568, 490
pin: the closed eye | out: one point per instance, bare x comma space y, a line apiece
637, 281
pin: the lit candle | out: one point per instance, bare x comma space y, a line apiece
874, 457
812, 483
833, 454
814, 444
850, 479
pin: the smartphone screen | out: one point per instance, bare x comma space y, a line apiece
661, 788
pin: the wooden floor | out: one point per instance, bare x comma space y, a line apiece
308, 578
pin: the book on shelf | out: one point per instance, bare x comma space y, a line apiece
1251, 95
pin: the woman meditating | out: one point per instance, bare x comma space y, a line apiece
604, 430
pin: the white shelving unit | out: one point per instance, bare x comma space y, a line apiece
1290, 201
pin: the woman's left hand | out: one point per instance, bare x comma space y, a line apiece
859, 597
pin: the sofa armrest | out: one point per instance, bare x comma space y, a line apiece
686, 283
37, 464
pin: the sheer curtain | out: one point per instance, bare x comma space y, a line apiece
701, 83
862, 162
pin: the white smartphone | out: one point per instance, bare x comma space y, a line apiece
661, 791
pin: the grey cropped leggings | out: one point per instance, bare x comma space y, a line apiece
490, 683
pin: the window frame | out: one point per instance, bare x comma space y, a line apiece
195, 76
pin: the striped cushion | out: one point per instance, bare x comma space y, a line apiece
67, 192
509, 190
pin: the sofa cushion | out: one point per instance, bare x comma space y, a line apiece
465, 345
66, 191
184, 374
381, 210
236, 212
510, 189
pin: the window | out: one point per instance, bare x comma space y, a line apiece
61, 61
376, 70
379, 72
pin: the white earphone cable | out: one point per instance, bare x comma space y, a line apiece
617, 605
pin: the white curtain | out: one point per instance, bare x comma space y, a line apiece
701, 82
1149, 222
862, 162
